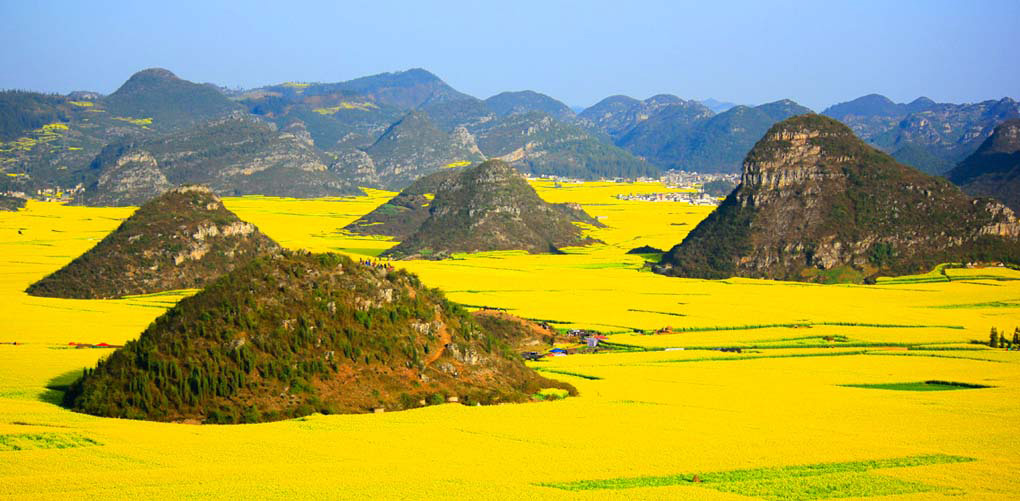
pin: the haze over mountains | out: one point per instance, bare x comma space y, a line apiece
386, 130
924, 134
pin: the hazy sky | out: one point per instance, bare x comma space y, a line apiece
814, 52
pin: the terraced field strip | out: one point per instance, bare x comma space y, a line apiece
811, 481
811, 324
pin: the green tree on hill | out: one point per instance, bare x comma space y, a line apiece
993, 338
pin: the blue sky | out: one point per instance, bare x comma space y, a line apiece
816, 53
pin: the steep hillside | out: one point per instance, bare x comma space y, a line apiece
295, 333
994, 169
508, 103
719, 143
414, 147
664, 126
535, 143
519, 333
170, 102
403, 214
183, 239
817, 204
234, 155
21, 112
487, 207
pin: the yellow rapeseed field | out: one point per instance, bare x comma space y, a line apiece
776, 421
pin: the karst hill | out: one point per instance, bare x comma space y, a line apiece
816, 203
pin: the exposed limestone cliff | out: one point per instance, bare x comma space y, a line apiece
815, 203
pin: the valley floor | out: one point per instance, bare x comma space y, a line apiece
779, 420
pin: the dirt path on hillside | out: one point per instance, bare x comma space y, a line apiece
444, 339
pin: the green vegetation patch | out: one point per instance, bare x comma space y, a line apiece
839, 485
932, 385
30, 441
990, 304
568, 373
812, 481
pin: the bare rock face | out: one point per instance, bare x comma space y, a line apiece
409, 149
134, 178
233, 155
179, 240
817, 204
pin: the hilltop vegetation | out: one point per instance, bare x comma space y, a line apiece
486, 207
509, 103
817, 204
296, 333
170, 102
182, 239
22, 111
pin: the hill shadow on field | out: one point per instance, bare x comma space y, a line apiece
56, 387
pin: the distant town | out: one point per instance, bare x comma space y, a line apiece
706, 189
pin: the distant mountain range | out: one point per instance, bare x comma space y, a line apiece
994, 169
387, 130
924, 134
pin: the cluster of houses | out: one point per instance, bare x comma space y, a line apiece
48, 194
80, 346
590, 339
699, 198
694, 180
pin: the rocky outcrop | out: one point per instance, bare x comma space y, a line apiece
412, 148
180, 240
133, 179
235, 155
817, 204
994, 169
